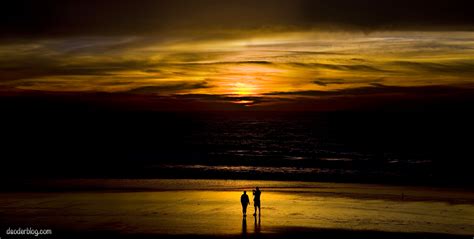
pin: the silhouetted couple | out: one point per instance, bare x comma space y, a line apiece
244, 199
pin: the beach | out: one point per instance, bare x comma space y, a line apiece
211, 208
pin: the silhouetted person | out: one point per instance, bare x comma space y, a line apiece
244, 199
256, 200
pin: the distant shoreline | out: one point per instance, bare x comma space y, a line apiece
23, 183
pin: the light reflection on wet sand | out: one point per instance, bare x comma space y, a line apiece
218, 212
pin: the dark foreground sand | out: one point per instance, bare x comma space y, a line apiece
211, 209
283, 233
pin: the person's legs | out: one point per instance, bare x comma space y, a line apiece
244, 209
256, 205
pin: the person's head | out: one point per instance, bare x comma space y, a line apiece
258, 189
245, 192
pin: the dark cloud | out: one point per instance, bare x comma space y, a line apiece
38, 67
329, 81
67, 17
339, 81
213, 97
452, 67
221, 63
169, 88
380, 89
339, 67
325, 82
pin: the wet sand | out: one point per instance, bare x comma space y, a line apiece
211, 208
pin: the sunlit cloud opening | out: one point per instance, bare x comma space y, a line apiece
243, 89
244, 102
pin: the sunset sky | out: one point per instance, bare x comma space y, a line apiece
244, 54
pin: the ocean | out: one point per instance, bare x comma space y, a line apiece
391, 147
